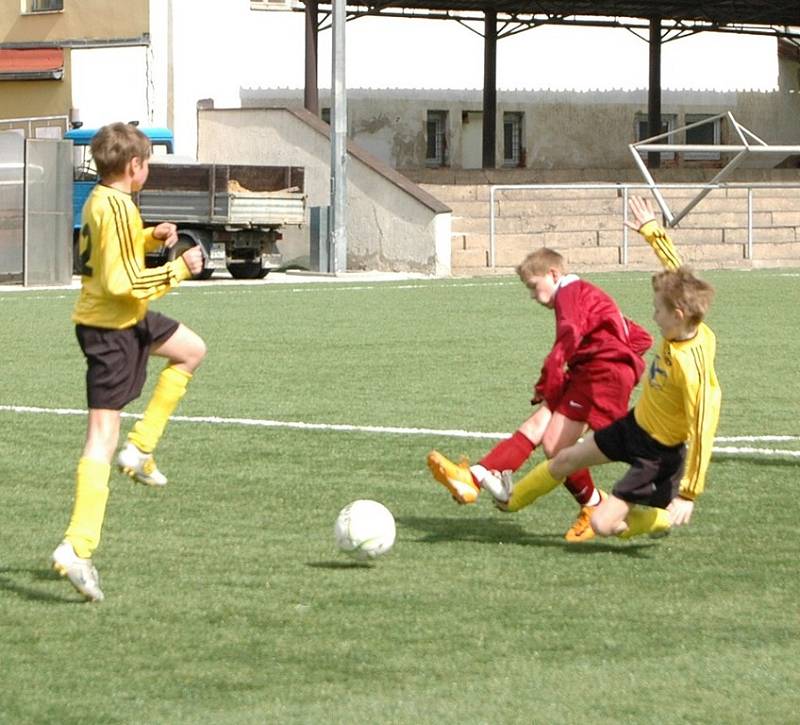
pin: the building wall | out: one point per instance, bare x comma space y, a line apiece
23, 99
79, 27
84, 20
561, 129
388, 228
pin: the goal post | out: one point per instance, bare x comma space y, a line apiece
749, 147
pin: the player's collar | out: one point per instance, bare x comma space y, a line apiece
565, 280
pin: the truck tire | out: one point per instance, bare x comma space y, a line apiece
247, 270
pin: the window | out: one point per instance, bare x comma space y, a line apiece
44, 6
436, 139
667, 126
706, 134
512, 140
326, 115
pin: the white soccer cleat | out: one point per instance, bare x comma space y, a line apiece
80, 572
498, 484
140, 466
505, 488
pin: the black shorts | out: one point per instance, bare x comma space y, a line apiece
116, 360
655, 473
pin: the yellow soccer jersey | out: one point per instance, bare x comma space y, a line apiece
662, 245
680, 402
115, 284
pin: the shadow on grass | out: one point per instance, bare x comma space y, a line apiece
437, 530
10, 584
339, 565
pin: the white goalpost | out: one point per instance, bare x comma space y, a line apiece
750, 146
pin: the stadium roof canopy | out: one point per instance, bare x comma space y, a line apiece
748, 16
657, 21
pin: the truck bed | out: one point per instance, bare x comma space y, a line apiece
224, 194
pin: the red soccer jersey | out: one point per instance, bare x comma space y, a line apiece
590, 331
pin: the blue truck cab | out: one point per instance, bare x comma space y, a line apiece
84, 172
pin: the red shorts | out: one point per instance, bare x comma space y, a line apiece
598, 395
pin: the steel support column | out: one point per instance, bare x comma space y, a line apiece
654, 90
489, 88
338, 224
311, 92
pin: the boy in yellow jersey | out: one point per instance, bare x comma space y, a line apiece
679, 405
117, 334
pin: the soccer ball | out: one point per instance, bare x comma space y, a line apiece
364, 529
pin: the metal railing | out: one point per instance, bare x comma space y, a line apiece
624, 191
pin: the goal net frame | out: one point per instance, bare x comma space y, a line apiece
750, 146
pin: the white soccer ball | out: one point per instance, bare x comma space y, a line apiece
364, 529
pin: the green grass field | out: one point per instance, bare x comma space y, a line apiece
226, 601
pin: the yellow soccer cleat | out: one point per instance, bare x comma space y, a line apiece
456, 478
581, 530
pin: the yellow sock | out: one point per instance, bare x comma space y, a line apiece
89, 509
645, 520
169, 390
534, 484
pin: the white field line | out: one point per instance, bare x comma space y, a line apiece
227, 287
394, 430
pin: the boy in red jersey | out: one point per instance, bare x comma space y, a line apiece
586, 382
668, 436
117, 334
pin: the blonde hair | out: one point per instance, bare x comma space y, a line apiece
681, 290
114, 145
539, 262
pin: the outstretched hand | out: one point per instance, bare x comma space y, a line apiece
680, 511
641, 210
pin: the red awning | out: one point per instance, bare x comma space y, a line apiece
32, 64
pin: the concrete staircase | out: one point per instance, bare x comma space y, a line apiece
586, 225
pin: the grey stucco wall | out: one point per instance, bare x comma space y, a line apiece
562, 129
387, 228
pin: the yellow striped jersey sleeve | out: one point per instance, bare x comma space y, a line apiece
702, 399
116, 286
662, 245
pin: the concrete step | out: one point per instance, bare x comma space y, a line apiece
587, 227
543, 223
594, 259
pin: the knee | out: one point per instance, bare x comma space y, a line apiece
195, 353
560, 462
549, 448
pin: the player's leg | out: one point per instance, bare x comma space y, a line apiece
73, 557
464, 482
639, 499
549, 474
562, 432
184, 351
617, 517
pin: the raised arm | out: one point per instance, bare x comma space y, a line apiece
644, 221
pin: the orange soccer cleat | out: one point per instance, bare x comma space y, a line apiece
456, 478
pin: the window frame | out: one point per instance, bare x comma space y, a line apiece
29, 7
669, 122
691, 118
440, 120
515, 119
